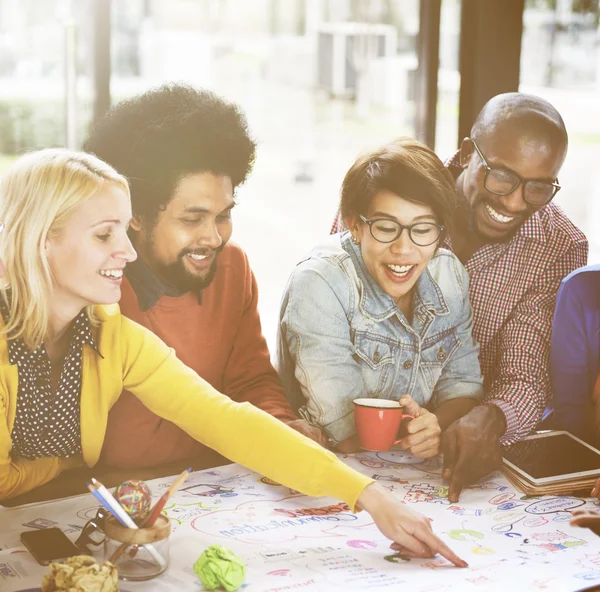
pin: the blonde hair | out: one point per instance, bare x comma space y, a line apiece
38, 194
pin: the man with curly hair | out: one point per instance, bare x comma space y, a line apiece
185, 151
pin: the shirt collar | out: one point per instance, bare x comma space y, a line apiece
80, 328
148, 288
378, 305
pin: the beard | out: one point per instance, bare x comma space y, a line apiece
179, 277
480, 202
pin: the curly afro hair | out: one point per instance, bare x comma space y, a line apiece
159, 137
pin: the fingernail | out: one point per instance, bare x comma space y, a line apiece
463, 564
594, 492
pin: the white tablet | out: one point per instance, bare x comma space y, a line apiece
549, 457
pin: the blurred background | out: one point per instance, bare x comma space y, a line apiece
319, 80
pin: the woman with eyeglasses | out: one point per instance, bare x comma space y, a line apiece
380, 310
66, 353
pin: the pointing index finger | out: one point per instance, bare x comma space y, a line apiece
438, 546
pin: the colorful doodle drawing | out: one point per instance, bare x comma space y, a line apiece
280, 572
506, 527
554, 504
489, 485
399, 457
397, 558
535, 521
343, 571
321, 511
256, 522
462, 534
426, 492
184, 513
501, 498
554, 541
209, 490
390, 478
358, 544
470, 511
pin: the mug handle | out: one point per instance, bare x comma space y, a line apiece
403, 416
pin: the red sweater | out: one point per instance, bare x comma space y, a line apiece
221, 339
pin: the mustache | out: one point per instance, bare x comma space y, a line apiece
204, 252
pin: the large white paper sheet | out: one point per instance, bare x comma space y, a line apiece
294, 543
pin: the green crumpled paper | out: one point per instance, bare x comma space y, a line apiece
220, 566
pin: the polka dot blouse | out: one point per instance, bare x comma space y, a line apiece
48, 423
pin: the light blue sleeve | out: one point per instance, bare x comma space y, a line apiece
316, 328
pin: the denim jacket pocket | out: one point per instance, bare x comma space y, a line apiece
378, 357
435, 354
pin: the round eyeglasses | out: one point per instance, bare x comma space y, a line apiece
421, 234
536, 192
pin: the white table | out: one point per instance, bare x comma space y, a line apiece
291, 542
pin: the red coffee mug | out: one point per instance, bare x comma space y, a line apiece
377, 423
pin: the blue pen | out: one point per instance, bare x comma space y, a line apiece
104, 503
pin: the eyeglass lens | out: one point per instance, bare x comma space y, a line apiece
504, 182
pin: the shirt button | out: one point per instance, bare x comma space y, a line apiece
441, 356
408, 364
376, 357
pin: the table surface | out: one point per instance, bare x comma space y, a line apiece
289, 541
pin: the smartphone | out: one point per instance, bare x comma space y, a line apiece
49, 544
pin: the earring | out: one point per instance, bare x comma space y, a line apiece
354, 240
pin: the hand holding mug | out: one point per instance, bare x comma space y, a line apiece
424, 432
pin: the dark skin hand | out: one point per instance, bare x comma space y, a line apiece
586, 519
471, 448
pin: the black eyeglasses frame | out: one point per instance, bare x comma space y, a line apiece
521, 180
370, 223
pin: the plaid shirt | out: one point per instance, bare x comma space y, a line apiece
513, 288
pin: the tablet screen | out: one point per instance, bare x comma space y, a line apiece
551, 456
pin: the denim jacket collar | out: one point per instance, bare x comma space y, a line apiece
378, 305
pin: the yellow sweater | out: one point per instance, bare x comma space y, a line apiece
138, 361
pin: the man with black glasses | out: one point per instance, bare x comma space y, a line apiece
517, 246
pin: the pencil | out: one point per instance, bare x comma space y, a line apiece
160, 504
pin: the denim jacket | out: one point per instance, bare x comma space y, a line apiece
341, 337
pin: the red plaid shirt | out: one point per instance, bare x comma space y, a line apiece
513, 290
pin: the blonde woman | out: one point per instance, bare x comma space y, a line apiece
66, 354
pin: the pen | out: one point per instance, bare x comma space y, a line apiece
103, 503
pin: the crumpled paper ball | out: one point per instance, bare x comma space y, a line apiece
220, 566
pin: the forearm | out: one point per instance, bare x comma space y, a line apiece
268, 397
448, 412
24, 475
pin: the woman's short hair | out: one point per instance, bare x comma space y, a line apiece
38, 194
408, 169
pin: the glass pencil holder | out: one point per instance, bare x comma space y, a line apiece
139, 554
